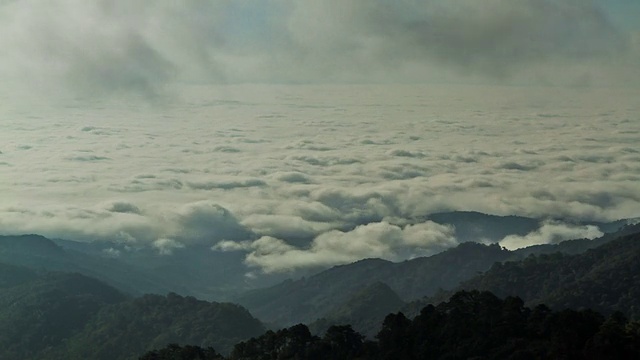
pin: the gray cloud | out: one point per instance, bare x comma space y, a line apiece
226, 185
498, 37
123, 207
581, 166
405, 153
380, 240
209, 222
108, 47
551, 233
167, 246
130, 47
294, 177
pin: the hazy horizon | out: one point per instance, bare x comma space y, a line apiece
249, 126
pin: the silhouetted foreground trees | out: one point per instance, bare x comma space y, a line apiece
471, 325
177, 352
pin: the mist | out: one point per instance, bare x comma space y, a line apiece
287, 129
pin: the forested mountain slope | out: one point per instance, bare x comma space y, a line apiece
605, 279
61, 315
123, 330
307, 299
43, 311
470, 325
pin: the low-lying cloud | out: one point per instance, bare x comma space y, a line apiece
167, 185
551, 233
375, 240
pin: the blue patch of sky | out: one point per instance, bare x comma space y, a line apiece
249, 22
624, 13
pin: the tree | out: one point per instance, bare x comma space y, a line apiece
177, 352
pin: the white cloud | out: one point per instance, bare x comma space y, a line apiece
209, 222
167, 246
579, 164
551, 233
379, 240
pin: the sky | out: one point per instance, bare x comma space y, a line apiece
315, 133
98, 48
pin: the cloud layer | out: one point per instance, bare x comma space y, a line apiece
357, 164
375, 240
551, 233
124, 48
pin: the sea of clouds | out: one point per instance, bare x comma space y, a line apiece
137, 122
302, 175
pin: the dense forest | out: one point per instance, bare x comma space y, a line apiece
605, 279
471, 325
72, 316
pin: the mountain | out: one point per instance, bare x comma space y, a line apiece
578, 246
42, 311
11, 275
193, 270
480, 325
476, 226
126, 329
40, 253
480, 227
469, 325
364, 311
605, 279
196, 270
306, 299
34, 251
59, 315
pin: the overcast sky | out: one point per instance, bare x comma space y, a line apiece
312, 133
105, 47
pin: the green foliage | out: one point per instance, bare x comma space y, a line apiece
605, 279
11, 275
474, 324
471, 325
177, 352
123, 330
297, 343
306, 300
39, 314
365, 310
71, 316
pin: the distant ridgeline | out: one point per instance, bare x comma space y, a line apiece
197, 271
337, 295
590, 288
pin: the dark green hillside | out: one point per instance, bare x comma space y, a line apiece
470, 325
11, 275
307, 299
34, 251
479, 325
577, 246
364, 311
42, 312
72, 316
39, 253
130, 328
605, 279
